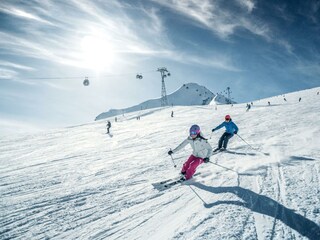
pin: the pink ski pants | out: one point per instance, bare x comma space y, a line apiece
191, 165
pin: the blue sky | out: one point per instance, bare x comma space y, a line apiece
47, 47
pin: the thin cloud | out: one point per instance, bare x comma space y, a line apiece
223, 64
23, 14
282, 12
216, 16
16, 66
53, 85
221, 20
7, 74
315, 10
247, 4
309, 69
220, 62
287, 46
22, 45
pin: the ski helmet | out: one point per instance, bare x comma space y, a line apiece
227, 117
194, 130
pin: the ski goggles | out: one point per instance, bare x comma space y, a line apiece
193, 133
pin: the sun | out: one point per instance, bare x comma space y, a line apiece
97, 54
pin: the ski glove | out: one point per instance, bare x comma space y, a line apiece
170, 152
235, 132
206, 160
213, 130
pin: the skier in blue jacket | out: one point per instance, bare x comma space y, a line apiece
231, 129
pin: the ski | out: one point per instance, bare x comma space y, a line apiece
170, 184
240, 153
237, 153
169, 180
166, 184
216, 151
109, 134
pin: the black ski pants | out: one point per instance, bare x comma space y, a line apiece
224, 140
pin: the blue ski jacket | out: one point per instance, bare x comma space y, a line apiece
230, 126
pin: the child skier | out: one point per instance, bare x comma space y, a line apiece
201, 152
231, 128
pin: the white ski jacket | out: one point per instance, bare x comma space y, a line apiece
201, 147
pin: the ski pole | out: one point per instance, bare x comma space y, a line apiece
224, 167
173, 160
238, 175
267, 154
245, 141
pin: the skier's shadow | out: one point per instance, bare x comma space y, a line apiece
267, 206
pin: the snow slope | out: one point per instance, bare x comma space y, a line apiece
189, 94
78, 183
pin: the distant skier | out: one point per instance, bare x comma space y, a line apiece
115, 119
248, 107
299, 99
269, 103
285, 99
108, 126
202, 151
171, 113
231, 129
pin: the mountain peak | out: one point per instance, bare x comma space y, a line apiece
187, 95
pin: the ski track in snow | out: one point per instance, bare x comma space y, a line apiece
78, 183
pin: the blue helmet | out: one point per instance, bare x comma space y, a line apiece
194, 130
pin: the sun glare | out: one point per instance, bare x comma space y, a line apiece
97, 53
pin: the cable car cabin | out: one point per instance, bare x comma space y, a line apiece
86, 82
139, 76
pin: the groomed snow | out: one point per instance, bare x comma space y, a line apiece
79, 183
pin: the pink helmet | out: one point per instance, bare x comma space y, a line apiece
227, 117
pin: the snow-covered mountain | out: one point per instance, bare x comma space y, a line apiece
188, 95
221, 99
78, 183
